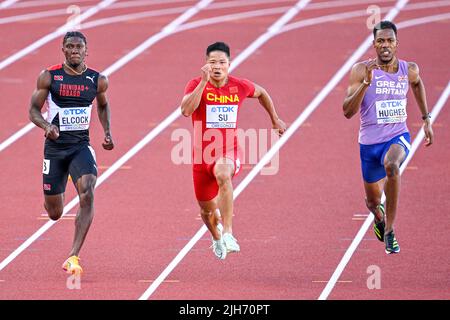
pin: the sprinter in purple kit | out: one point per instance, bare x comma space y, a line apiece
379, 87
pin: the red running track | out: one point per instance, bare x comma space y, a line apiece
293, 227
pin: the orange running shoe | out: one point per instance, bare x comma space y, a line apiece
72, 266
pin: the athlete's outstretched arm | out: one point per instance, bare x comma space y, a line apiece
38, 101
191, 101
360, 79
266, 101
418, 89
104, 113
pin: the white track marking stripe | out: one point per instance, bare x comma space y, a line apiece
53, 35
7, 3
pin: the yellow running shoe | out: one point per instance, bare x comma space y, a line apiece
72, 266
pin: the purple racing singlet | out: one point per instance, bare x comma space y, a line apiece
383, 109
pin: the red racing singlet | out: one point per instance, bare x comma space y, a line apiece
215, 120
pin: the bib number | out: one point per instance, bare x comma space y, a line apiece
46, 166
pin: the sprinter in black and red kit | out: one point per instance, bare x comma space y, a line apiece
69, 89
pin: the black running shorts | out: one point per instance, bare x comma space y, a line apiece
76, 160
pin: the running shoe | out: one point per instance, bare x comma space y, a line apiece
231, 243
219, 249
378, 226
72, 266
391, 243
218, 246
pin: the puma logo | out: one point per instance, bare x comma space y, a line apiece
91, 78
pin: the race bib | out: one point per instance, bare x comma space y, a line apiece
46, 166
391, 111
221, 116
72, 119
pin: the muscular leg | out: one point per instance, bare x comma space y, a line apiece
374, 192
54, 205
394, 157
209, 217
85, 187
223, 171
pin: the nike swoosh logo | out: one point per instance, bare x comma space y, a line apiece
379, 77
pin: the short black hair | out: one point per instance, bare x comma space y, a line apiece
218, 46
385, 24
72, 34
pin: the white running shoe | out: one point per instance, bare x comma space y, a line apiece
230, 242
218, 246
219, 249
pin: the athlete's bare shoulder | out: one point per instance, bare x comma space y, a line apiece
359, 67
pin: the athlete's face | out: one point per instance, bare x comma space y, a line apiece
385, 45
220, 63
74, 50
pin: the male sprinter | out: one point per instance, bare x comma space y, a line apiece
214, 101
380, 86
69, 89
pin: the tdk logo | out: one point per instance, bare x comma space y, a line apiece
75, 112
391, 104
224, 109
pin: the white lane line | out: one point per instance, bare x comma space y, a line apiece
34, 15
55, 34
17, 135
230, 17
132, 16
270, 32
368, 222
7, 3
240, 58
359, 13
120, 5
28, 4
144, 3
424, 20
166, 31
188, 14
